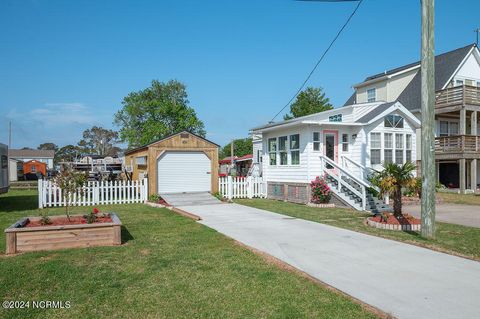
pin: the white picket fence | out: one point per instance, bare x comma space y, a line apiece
94, 193
242, 187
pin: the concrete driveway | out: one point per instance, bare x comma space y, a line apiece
403, 280
467, 215
189, 199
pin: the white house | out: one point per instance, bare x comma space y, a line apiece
457, 83
44, 156
341, 143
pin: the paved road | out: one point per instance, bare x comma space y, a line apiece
467, 215
403, 280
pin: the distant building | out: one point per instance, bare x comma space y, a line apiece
44, 156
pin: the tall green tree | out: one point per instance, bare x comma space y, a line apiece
241, 147
99, 141
67, 153
155, 112
48, 147
309, 101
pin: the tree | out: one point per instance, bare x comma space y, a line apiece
392, 179
99, 141
155, 112
311, 100
67, 153
241, 147
70, 182
48, 147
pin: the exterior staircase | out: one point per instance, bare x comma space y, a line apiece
352, 188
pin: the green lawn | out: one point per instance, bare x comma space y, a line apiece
466, 199
168, 267
460, 240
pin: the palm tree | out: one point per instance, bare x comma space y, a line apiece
392, 179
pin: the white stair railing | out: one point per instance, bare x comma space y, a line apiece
353, 166
337, 172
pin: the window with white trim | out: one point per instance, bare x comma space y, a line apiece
387, 148
272, 150
394, 121
33, 169
295, 149
408, 144
375, 148
282, 149
259, 156
399, 146
316, 141
371, 95
345, 143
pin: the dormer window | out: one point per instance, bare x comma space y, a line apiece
394, 121
335, 118
371, 95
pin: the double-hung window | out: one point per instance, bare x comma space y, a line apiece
399, 145
345, 143
408, 152
371, 95
388, 148
282, 149
316, 141
375, 148
272, 150
295, 149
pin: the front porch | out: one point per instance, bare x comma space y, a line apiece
458, 139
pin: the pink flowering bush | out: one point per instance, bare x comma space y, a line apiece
321, 193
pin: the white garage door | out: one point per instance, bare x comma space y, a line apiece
180, 172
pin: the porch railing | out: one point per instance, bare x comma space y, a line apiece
458, 95
457, 144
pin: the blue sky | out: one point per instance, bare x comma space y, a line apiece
66, 65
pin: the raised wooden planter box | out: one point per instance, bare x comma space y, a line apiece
27, 239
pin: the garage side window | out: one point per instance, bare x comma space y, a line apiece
272, 150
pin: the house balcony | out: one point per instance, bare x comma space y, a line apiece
457, 147
457, 98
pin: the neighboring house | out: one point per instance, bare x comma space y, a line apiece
457, 85
242, 165
44, 156
342, 144
182, 162
15, 170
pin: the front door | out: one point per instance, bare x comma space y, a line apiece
331, 145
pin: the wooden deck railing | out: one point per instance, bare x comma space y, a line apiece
457, 144
458, 95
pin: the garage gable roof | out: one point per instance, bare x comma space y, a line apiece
168, 137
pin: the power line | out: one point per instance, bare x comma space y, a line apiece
324, 53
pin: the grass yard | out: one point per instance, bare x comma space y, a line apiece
456, 239
169, 267
466, 199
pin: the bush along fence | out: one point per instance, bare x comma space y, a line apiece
242, 187
94, 193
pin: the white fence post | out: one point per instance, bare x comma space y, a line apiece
40, 193
229, 187
250, 187
145, 190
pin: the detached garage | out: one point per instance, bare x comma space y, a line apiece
180, 163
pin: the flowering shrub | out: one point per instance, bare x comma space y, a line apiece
321, 192
92, 216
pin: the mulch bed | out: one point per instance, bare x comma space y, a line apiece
406, 219
74, 220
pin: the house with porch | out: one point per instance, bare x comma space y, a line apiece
342, 144
457, 84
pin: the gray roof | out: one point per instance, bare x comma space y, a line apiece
30, 153
375, 112
445, 65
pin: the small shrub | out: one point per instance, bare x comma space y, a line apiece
92, 216
45, 220
71, 182
218, 195
321, 193
154, 198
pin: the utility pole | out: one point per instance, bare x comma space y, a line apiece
10, 135
428, 120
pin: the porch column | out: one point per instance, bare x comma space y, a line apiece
463, 121
473, 174
473, 124
462, 185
